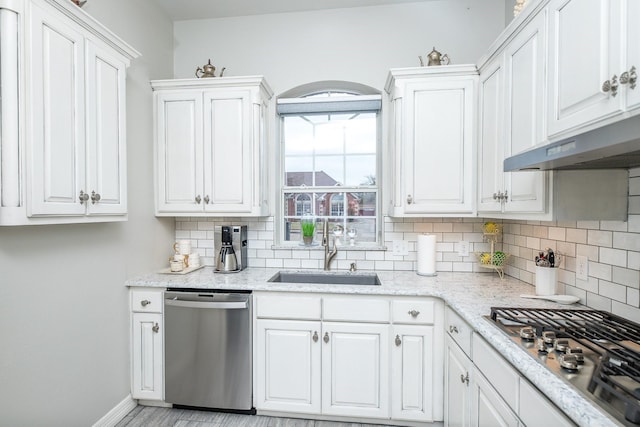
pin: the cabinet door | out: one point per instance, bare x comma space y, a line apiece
146, 352
288, 366
228, 170
632, 42
525, 59
355, 370
491, 136
438, 165
487, 407
179, 151
106, 131
457, 386
57, 111
584, 52
413, 386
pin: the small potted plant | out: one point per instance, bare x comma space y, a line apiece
308, 224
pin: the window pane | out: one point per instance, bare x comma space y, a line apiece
297, 204
362, 204
361, 170
330, 170
360, 134
365, 230
298, 171
299, 135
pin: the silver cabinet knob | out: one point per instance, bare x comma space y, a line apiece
611, 86
145, 302
155, 328
453, 329
464, 378
326, 337
409, 199
496, 196
398, 341
414, 313
505, 196
83, 197
95, 197
206, 199
315, 336
198, 199
629, 77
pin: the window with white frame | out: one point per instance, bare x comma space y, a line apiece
330, 163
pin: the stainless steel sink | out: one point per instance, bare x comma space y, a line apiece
369, 279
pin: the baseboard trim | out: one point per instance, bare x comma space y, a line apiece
118, 413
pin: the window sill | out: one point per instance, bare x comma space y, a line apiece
319, 247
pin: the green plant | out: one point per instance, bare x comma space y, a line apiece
308, 228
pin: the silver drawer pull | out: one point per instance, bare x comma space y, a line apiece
398, 341
145, 302
414, 313
453, 329
315, 336
326, 337
155, 328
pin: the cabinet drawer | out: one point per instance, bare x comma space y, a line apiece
502, 376
356, 309
419, 312
535, 409
146, 301
278, 306
459, 330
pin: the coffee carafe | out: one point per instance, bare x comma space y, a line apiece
232, 241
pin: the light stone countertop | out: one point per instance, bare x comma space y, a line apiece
471, 295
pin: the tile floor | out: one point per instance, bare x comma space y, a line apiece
148, 416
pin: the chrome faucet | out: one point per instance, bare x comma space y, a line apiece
328, 256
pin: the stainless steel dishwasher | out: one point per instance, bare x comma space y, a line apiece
208, 350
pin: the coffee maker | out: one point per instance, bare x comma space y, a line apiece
231, 242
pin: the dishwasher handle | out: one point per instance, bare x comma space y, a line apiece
223, 305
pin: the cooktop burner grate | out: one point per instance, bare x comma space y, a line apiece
615, 339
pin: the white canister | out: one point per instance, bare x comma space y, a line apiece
546, 280
176, 266
182, 247
194, 260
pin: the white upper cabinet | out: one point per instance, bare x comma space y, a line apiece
585, 49
630, 83
511, 120
432, 140
210, 146
72, 153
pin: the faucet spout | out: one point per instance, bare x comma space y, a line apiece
328, 255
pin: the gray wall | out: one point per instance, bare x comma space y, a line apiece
356, 44
64, 322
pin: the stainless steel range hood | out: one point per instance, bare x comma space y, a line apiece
613, 146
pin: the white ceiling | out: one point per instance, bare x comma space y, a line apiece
204, 9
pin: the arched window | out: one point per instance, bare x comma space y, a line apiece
330, 148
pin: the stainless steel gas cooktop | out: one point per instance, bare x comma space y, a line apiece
595, 351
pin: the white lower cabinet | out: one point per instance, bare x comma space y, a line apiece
355, 367
349, 356
147, 334
485, 390
457, 386
288, 368
413, 394
488, 409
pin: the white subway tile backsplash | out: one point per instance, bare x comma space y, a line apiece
612, 291
613, 256
598, 302
600, 238
612, 248
626, 277
628, 241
